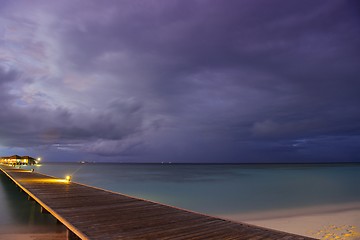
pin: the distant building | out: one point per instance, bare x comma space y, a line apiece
18, 160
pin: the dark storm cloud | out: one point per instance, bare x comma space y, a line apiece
29, 126
198, 80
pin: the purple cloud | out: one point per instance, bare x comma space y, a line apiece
203, 81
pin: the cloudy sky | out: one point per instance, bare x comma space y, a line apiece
180, 81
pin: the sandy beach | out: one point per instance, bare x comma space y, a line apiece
322, 222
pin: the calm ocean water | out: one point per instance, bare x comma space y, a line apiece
211, 189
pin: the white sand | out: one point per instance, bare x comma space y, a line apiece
323, 222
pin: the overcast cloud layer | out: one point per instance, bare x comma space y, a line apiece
181, 81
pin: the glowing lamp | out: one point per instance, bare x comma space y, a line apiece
68, 178
39, 159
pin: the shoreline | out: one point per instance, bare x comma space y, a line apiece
336, 221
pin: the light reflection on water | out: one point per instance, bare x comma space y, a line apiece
18, 215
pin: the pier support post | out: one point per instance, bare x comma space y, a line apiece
30, 198
71, 236
44, 211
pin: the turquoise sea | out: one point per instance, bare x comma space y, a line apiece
210, 189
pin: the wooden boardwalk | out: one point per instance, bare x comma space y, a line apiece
93, 213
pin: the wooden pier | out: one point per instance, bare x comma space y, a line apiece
93, 213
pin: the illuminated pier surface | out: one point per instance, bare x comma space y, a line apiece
93, 213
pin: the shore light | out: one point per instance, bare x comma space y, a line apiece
39, 159
68, 178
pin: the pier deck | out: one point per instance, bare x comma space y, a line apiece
93, 213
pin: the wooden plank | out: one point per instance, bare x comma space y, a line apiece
93, 213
